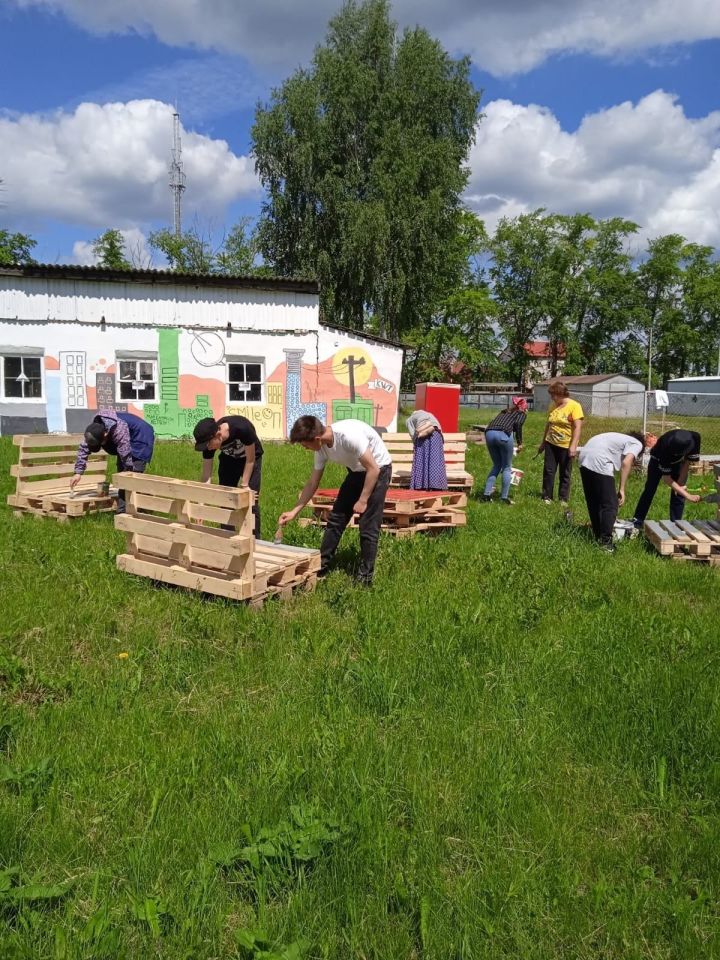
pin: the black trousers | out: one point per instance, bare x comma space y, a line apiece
602, 502
556, 458
654, 476
370, 521
230, 471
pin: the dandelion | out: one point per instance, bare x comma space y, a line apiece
123, 655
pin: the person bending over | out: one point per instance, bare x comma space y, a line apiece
670, 463
369, 467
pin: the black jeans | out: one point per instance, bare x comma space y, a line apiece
370, 521
602, 503
230, 471
138, 467
556, 457
654, 476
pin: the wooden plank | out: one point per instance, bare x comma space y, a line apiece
692, 531
710, 532
225, 542
40, 440
659, 537
234, 498
53, 455
394, 437
237, 589
39, 487
55, 469
191, 512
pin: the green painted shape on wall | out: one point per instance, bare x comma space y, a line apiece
360, 410
168, 418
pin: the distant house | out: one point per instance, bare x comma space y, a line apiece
540, 361
602, 395
695, 396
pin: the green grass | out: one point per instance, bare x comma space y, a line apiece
508, 748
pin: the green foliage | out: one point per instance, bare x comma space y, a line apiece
362, 156
109, 250
193, 252
255, 945
15, 248
14, 893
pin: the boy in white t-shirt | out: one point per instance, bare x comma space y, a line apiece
359, 448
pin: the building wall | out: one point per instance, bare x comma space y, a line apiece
306, 366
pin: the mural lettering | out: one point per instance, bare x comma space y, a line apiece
268, 417
381, 385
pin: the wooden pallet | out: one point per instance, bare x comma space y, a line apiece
174, 537
682, 539
406, 512
400, 447
46, 464
703, 467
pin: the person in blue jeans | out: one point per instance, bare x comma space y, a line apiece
500, 436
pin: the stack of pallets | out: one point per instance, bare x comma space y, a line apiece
704, 466
46, 463
174, 536
406, 512
401, 449
686, 540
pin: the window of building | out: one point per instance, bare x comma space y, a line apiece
137, 379
22, 378
245, 379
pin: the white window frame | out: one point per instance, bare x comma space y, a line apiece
136, 359
232, 360
22, 356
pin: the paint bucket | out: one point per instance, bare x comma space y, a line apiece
516, 476
623, 529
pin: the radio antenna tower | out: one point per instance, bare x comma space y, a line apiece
177, 176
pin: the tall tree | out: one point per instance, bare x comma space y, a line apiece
15, 248
363, 159
196, 252
658, 318
109, 250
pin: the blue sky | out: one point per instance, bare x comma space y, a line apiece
555, 134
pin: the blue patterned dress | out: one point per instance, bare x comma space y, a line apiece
428, 468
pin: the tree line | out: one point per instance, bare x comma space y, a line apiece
363, 158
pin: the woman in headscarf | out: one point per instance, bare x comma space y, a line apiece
500, 436
428, 466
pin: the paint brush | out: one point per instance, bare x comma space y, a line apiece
278, 535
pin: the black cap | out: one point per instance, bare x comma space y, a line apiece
94, 436
204, 431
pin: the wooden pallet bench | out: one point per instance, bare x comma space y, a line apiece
405, 513
175, 535
46, 463
683, 539
704, 466
400, 447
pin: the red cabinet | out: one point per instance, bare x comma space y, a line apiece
443, 401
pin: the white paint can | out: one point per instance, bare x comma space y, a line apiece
623, 529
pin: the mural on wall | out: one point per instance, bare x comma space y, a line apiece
267, 417
177, 414
347, 384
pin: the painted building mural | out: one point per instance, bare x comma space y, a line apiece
174, 374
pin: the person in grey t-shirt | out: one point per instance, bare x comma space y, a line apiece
600, 459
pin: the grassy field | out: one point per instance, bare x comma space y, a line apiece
508, 748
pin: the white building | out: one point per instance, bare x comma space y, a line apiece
600, 395
694, 396
174, 348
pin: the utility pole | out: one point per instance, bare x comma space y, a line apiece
350, 362
177, 176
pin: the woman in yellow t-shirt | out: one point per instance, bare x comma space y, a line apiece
560, 440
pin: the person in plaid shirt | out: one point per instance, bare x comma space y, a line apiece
123, 435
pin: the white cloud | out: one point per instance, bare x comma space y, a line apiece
136, 250
502, 36
108, 166
646, 161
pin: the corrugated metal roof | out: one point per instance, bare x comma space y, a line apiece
690, 379
76, 272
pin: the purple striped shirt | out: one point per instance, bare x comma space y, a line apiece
118, 433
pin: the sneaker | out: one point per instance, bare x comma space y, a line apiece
608, 547
486, 498
546, 500
564, 503
507, 500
